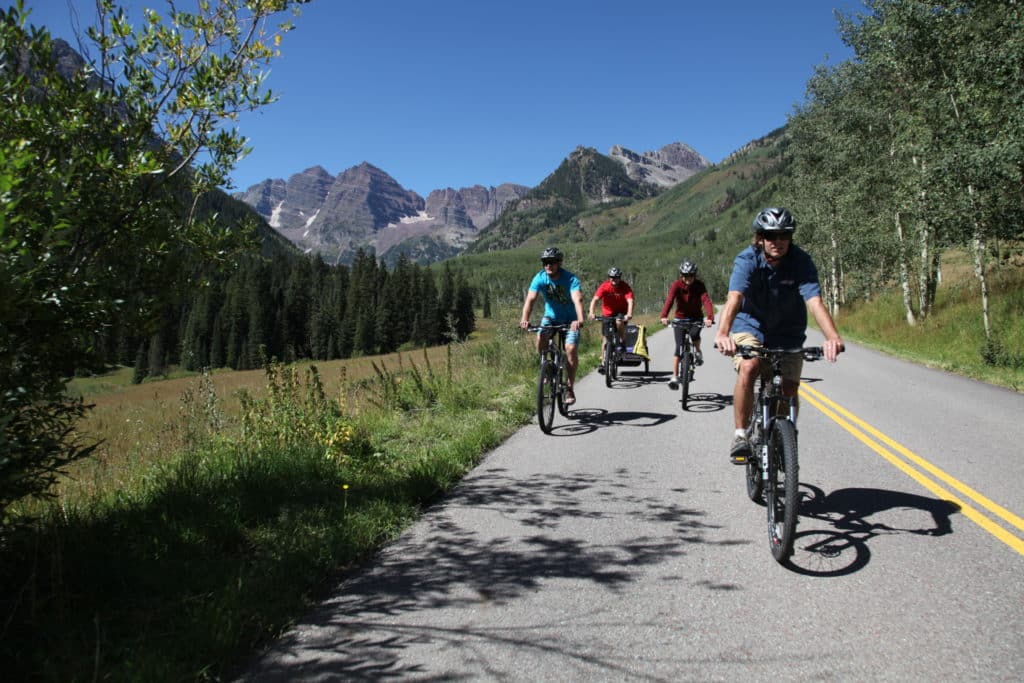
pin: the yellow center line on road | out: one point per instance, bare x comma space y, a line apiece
847, 420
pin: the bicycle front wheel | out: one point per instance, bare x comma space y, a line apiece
560, 389
546, 397
609, 365
684, 376
782, 493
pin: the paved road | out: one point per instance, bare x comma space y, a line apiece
623, 546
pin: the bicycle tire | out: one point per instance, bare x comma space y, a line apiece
755, 478
782, 494
684, 376
546, 397
609, 369
755, 484
561, 387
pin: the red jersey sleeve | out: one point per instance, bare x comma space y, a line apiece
709, 307
669, 300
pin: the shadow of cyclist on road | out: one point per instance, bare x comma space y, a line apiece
841, 547
848, 509
599, 417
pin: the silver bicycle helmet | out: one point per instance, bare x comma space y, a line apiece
614, 272
687, 268
551, 253
774, 220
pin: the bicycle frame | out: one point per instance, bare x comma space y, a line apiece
551, 380
768, 398
774, 468
610, 356
687, 353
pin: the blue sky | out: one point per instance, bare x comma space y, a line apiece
452, 93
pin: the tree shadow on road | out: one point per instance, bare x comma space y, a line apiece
835, 528
509, 547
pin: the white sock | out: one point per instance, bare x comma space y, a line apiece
741, 432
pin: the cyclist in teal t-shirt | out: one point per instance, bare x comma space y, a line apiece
563, 305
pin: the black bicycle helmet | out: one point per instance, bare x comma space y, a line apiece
614, 272
774, 220
551, 253
687, 268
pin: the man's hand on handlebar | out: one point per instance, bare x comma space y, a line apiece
832, 349
725, 345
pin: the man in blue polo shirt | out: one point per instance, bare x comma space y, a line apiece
773, 284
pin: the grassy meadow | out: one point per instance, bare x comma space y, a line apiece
219, 505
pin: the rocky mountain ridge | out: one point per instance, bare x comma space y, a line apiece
364, 207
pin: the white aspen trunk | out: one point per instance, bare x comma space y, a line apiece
834, 294
924, 273
978, 243
925, 287
904, 274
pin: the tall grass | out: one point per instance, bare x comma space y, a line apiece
178, 561
953, 336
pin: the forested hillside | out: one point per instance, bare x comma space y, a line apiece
704, 219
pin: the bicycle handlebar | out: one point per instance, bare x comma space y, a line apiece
550, 328
686, 323
810, 353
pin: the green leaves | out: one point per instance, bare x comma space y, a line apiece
914, 146
102, 167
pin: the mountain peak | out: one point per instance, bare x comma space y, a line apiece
665, 167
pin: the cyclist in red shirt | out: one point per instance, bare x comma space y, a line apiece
688, 294
616, 297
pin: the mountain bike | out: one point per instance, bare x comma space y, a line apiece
687, 355
612, 353
774, 469
552, 377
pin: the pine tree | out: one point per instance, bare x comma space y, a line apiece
139, 372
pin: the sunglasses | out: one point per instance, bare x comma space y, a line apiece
616, 277
550, 261
775, 236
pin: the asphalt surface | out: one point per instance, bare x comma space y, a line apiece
623, 547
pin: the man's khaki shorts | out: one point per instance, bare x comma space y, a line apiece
792, 364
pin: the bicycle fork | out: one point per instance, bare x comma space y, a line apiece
765, 437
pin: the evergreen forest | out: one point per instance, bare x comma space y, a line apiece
293, 307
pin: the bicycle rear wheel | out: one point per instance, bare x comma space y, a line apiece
782, 493
755, 480
755, 484
546, 396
